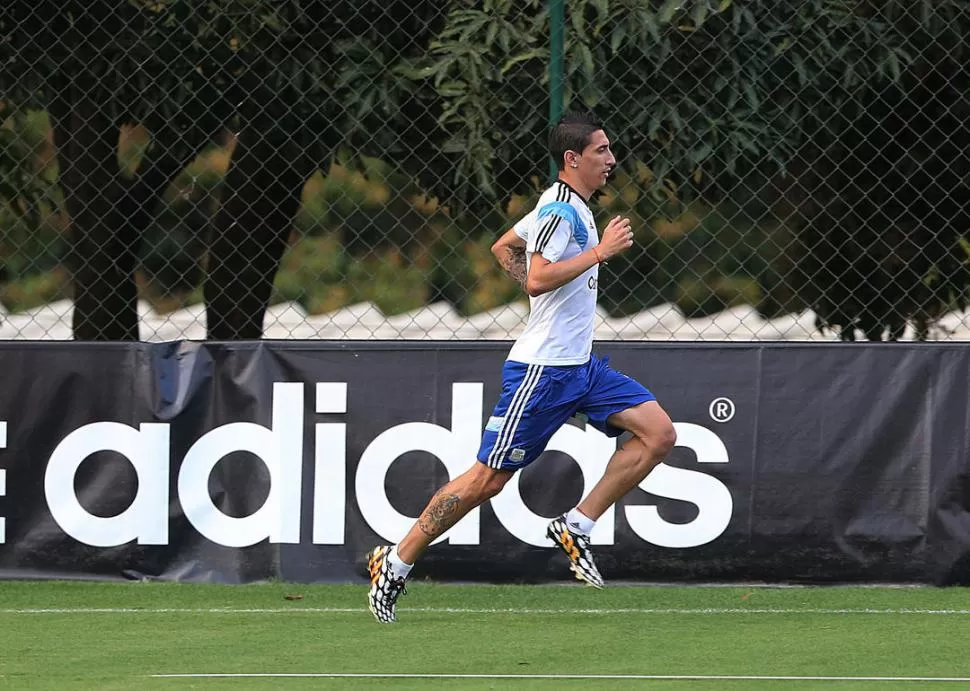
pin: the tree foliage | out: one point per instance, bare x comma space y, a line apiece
294, 81
842, 120
880, 191
838, 121
331, 69
694, 88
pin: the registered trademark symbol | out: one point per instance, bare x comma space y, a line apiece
721, 409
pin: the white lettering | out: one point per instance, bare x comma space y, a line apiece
330, 467
3, 481
456, 448
145, 520
712, 498
280, 449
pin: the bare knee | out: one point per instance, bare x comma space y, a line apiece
650, 451
496, 483
488, 481
657, 441
651, 427
660, 441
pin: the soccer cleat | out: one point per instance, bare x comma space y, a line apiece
577, 549
385, 588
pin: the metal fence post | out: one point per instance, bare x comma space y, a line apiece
557, 20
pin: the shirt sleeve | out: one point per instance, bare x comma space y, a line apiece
552, 230
525, 224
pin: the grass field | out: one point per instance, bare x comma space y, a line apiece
56, 635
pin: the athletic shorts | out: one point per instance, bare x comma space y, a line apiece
538, 399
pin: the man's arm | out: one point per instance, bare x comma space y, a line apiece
509, 250
545, 275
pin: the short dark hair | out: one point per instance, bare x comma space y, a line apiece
572, 133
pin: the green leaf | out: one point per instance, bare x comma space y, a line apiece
894, 68
668, 10
491, 33
699, 13
587, 57
616, 39
651, 27
752, 96
602, 8
699, 154
453, 89
273, 22
745, 142
537, 53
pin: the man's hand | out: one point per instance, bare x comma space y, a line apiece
545, 275
617, 237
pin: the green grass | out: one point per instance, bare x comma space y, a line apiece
522, 630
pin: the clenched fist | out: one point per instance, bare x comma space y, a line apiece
617, 237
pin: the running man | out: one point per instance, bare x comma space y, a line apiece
550, 374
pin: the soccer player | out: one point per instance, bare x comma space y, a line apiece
550, 374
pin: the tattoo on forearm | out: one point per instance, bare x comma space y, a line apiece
440, 514
514, 264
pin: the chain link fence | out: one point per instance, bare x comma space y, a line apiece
239, 169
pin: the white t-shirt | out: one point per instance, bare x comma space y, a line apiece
560, 326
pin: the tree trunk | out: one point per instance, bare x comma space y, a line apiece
250, 232
108, 215
103, 246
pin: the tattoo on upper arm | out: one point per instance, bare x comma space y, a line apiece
440, 514
514, 264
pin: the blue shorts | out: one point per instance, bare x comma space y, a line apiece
538, 399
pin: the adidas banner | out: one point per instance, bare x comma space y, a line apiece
250, 461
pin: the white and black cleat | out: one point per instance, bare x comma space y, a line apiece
576, 547
385, 588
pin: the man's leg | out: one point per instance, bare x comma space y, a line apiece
449, 505
530, 409
390, 566
614, 403
653, 438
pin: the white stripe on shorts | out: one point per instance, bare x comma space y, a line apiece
514, 414
501, 440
